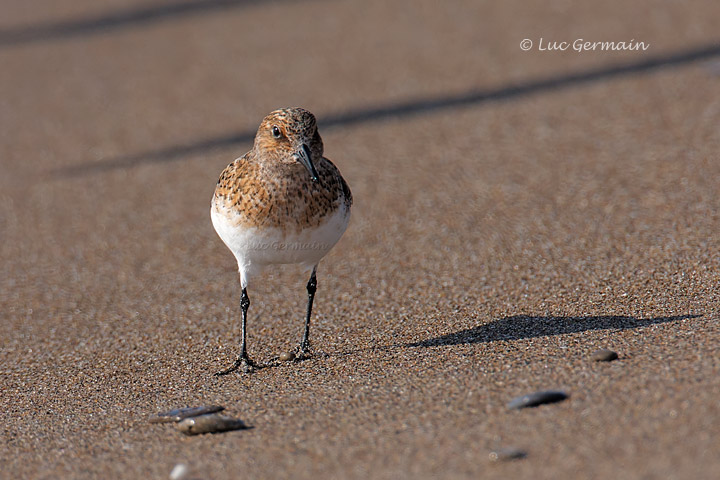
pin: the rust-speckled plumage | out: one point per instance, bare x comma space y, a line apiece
268, 187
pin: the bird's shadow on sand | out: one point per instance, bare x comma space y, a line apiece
518, 327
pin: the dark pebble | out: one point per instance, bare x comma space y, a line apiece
211, 423
507, 454
603, 355
537, 398
181, 413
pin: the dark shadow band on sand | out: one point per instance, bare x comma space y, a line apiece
520, 327
403, 109
117, 20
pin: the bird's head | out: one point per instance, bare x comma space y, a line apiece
290, 134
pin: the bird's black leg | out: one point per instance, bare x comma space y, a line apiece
303, 350
243, 362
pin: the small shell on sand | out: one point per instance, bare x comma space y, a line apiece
179, 472
211, 423
179, 414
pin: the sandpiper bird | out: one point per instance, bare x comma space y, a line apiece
282, 202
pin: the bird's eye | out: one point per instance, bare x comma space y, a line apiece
276, 132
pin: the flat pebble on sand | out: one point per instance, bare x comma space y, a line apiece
537, 398
179, 414
603, 355
507, 454
212, 423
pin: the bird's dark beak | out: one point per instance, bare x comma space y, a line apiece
303, 156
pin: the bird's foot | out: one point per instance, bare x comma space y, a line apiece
303, 352
243, 363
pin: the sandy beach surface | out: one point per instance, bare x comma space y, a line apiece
515, 211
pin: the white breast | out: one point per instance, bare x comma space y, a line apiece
256, 248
